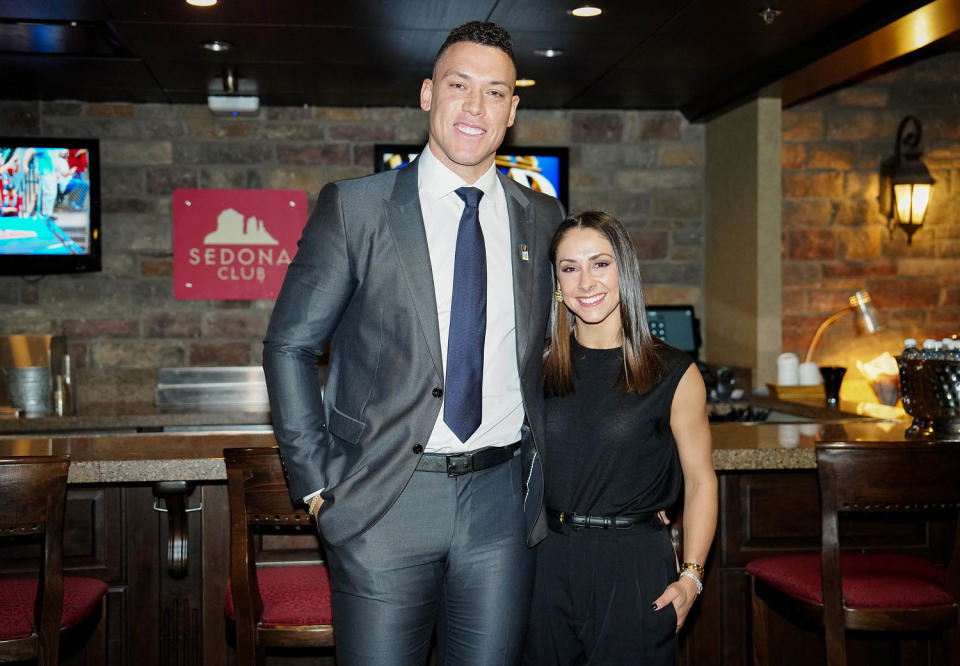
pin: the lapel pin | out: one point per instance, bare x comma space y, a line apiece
524, 254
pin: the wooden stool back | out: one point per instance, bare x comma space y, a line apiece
32, 494
260, 499
859, 477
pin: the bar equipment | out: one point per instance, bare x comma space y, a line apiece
29, 365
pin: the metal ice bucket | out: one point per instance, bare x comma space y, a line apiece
29, 389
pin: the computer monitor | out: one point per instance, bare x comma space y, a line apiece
677, 326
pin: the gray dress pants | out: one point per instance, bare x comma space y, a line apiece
450, 553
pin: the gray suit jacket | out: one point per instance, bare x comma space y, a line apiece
361, 281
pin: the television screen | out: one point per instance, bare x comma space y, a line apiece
541, 169
49, 205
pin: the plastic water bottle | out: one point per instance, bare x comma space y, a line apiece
910, 351
951, 349
929, 352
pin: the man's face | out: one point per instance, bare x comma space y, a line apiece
471, 103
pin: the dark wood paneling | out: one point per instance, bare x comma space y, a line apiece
153, 619
142, 552
775, 513
216, 554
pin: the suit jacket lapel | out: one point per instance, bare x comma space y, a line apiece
522, 240
405, 219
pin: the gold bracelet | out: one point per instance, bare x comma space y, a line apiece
313, 504
692, 566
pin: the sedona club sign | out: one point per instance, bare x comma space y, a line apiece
234, 244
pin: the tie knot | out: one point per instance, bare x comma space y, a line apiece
471, 196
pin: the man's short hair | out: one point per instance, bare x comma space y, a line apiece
484, 33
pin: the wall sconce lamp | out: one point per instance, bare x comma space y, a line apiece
905, 182
865, 321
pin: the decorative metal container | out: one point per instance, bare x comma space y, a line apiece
930, 390
29, 389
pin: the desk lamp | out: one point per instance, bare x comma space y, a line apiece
865, 321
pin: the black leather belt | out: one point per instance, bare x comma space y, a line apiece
560, 518
459, 464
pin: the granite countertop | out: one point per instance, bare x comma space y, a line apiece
139, 457
140, 417
148, 457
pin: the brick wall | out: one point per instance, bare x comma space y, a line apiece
123, 323
834, 238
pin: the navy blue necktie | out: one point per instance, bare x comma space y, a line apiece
462, 409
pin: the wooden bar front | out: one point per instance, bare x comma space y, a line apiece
168, 576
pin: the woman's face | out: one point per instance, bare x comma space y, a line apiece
587, 277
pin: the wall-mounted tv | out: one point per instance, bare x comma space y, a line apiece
544, 169
49, 205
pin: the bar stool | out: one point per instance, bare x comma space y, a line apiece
271, 606
874, 591
34, 611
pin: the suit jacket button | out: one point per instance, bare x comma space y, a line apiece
418, 449
437, 392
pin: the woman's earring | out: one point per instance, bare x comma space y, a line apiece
558, 295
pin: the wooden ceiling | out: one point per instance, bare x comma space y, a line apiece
698, 56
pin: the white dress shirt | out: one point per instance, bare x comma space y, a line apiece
502, 407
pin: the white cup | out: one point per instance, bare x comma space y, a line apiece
809, 429
788, 435
809, 374
788, 369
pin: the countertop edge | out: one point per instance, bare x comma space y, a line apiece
214, 469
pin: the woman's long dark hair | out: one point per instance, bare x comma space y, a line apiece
642, 366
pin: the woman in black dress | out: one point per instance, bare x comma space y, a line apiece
627, 433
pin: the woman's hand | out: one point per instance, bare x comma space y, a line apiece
681, 594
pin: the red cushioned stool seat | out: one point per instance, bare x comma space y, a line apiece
292, 595
872, 580
18, 596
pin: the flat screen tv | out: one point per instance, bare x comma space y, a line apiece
49, 205
540, 168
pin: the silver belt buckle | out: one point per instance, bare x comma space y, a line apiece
459, 464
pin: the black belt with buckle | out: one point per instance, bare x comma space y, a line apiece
459, 464
557, 519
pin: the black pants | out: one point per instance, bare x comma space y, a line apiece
592, 594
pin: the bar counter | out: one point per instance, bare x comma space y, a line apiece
198, 456
148, 513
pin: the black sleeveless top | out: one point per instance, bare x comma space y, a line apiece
613, 453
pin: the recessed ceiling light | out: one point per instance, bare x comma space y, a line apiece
525, 83
768, 15
202, 3
548, 53
586, 11
217, 45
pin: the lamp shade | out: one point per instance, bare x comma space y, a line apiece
911, 190
865, 320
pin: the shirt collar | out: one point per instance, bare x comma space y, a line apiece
437, 180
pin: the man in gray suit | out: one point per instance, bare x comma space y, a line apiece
422, 458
